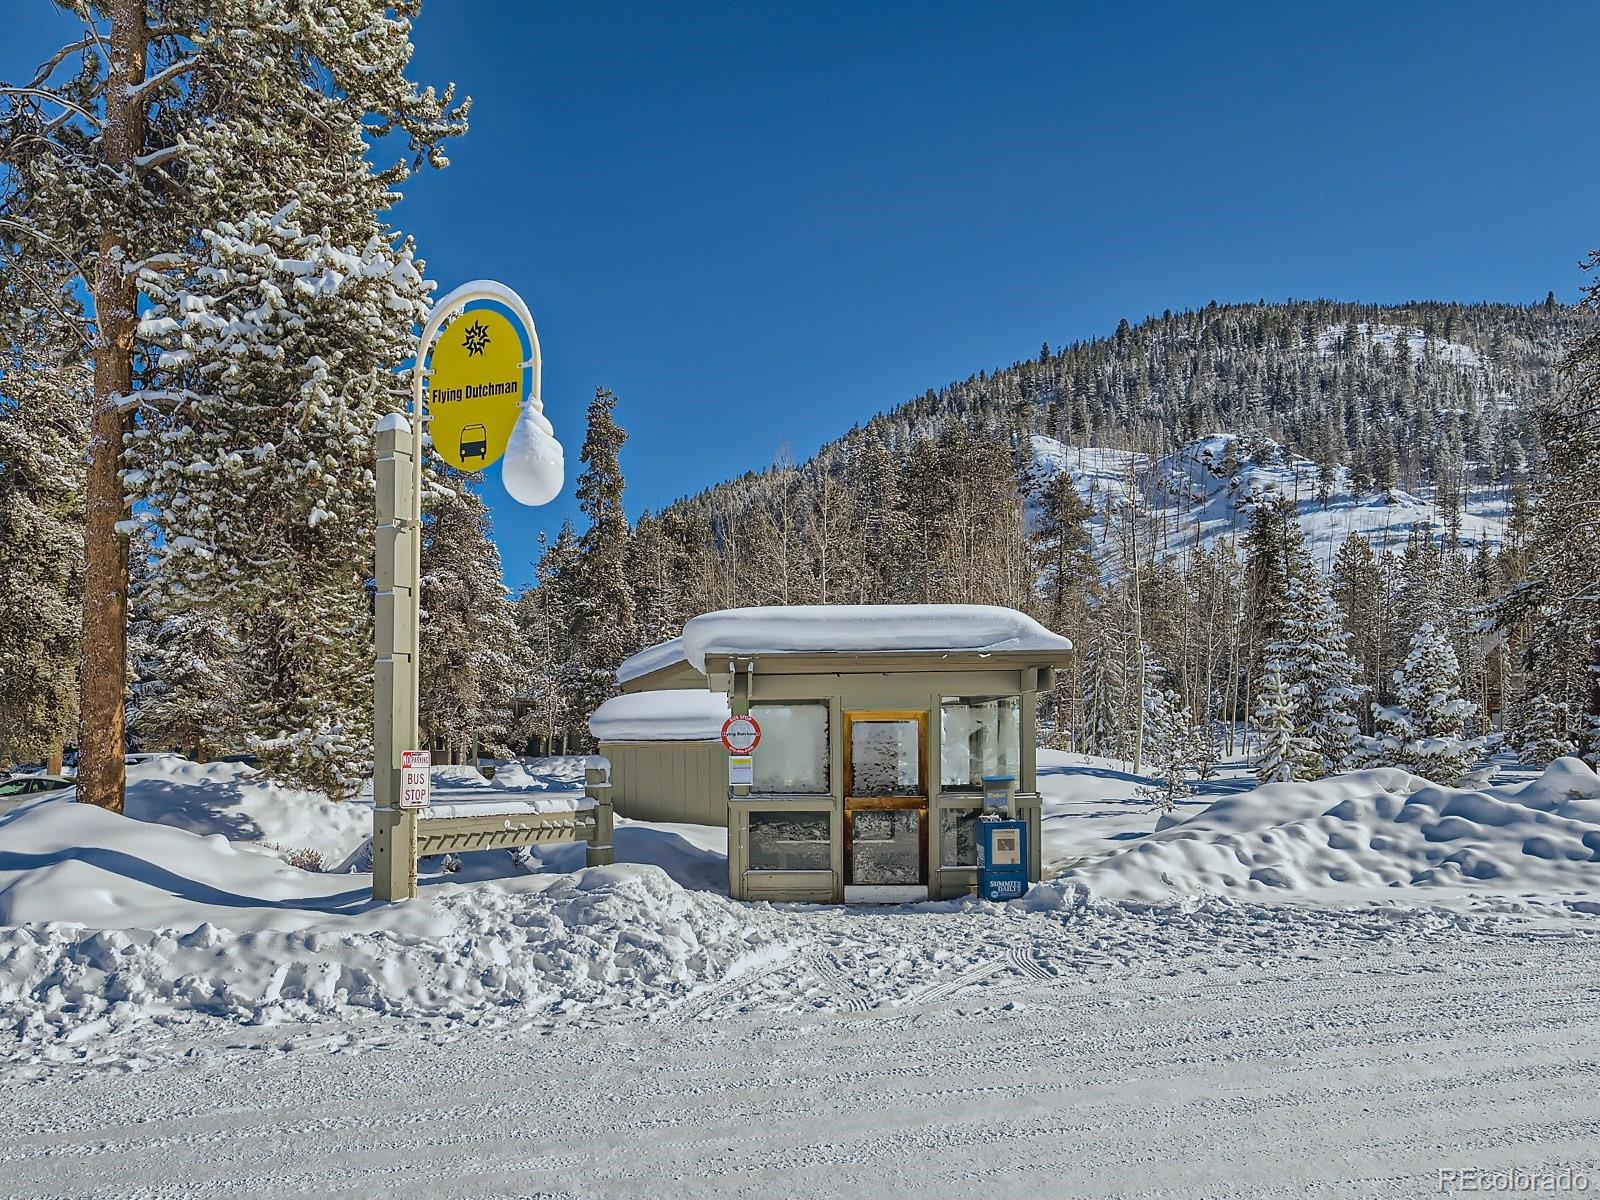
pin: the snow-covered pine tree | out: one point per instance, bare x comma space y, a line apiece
1541, 729
255, 475
186, 695
1176, 745
1104, 724
1556, 607
154, 149
1282, 753
475, 662
1061, 552
879, 524
1358, 589
1061, 549
1323, 675
544, 617
44, 411
658, 604
602, 606
1425, 730
1304, 642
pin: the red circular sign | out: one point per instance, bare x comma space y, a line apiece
741, 734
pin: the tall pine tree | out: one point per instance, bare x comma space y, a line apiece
603, 625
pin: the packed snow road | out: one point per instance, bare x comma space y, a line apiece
1224, 1049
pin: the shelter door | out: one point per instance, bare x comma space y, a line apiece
886, 800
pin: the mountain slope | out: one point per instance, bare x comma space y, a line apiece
1204, 491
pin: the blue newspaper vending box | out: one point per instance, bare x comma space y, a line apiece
1002, 859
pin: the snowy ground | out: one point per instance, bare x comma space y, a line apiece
1227, 1051
191, 1016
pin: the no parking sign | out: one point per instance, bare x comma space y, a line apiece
741, 734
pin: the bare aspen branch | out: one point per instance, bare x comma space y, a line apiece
47, 68
47, 95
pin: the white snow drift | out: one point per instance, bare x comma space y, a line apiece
1372, 832
242, 805
109, 921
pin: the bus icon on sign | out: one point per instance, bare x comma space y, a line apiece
474, 442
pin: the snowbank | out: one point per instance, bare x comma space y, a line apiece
680, 715
111, 921
69, 862
236, 801
1091, 806
1355, 836
863, 628
561, 773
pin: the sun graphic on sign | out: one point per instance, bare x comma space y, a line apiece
477, 339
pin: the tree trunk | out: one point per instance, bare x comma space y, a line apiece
101, 775
56, 760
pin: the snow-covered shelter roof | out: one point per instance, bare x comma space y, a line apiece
674, 715
651, 659
847, 629
865, 629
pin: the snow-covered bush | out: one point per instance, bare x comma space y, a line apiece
306, 859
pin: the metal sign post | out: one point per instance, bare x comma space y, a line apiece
481, 393
416, 779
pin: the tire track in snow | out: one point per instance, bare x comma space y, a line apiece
947, 988
699, 1004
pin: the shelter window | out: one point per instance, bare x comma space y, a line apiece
886, 755
791, 841
958, 837
792, 758
978, 736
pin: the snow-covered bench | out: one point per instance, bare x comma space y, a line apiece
504, 822
464, 819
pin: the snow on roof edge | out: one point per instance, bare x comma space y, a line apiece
670, 715
650, 659
864, 629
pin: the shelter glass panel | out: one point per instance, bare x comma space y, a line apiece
790, 841
958, 837
884, 758
978, 736
793, 755
886, 846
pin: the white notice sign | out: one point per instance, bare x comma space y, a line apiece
741, 770
414, 781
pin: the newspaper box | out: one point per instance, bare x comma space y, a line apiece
1002, 859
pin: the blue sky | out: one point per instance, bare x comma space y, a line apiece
761, 223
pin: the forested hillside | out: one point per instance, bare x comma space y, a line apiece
1180, 498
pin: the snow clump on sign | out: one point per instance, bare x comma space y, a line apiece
535, 465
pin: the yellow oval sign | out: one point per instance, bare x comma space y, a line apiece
475, 389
